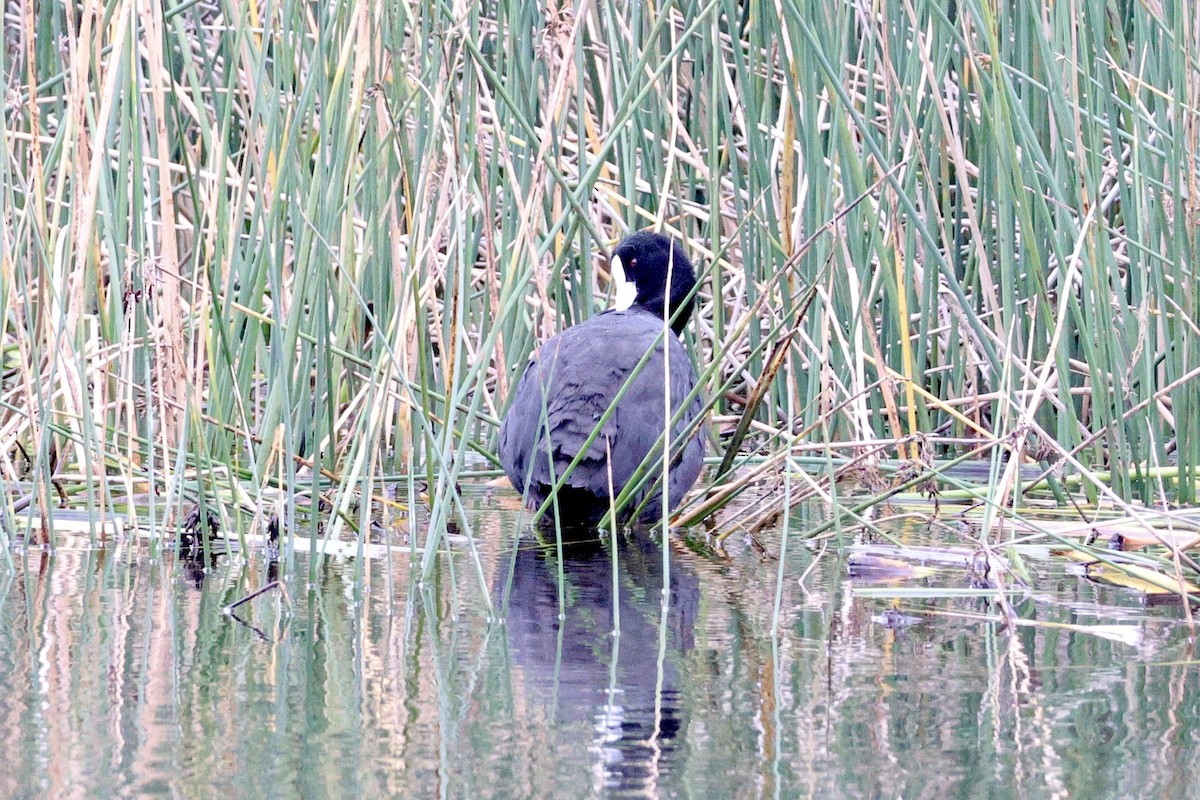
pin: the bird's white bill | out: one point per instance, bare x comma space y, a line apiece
626, 289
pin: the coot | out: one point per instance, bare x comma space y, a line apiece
574, 377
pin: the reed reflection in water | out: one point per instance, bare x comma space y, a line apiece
122, 677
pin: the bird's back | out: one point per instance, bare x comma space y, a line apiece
573, 379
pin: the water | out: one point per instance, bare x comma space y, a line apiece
123, 678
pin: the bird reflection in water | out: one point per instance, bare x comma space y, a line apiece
627, 684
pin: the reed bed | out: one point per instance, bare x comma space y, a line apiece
262, 249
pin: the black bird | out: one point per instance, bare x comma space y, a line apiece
575, 376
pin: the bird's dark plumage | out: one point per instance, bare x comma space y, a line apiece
575, 376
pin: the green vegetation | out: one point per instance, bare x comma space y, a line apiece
241, 240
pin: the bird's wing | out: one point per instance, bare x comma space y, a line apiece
568, 387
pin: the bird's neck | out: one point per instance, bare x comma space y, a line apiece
655, 306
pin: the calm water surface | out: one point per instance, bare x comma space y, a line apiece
123, 678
